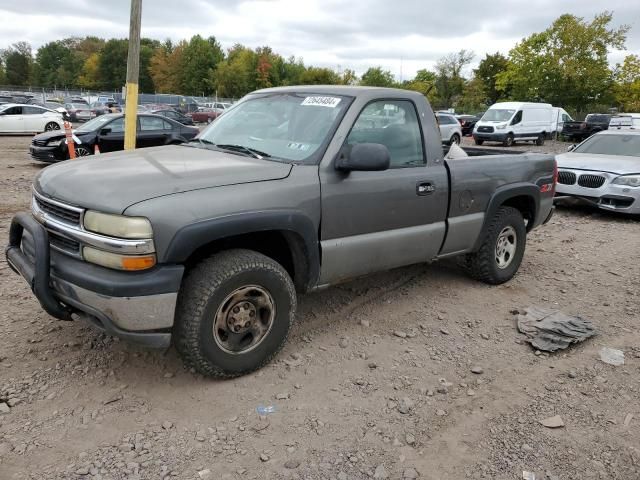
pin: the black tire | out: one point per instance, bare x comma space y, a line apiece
478, 141
483, 264
51, 126
509, 140
540, 140
455, 138
210, 284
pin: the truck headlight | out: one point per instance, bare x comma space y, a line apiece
119, 226
118, 261
501, 126
628, 180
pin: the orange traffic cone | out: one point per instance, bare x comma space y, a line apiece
96, 149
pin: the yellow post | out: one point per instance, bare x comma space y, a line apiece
133, 70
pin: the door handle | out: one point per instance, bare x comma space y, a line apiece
425, 188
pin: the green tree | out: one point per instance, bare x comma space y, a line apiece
291, 71
349, 77
627, 87
377, 77
147, 48
473, 98
18, 64
200, 58
112, 65
319, 76
235, 76
54, 65
89, 74
566, 64
487, 72
2, 76
449, 80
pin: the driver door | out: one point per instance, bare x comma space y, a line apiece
111, 136
377, 220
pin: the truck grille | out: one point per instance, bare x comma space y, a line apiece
63, 243
39, 142
566, 178
484, 129
67, 215
591, 181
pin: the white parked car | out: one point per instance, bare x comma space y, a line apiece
16, 118
508, 122
625, 121
604, 171
450, 129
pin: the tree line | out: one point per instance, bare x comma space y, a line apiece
566, 64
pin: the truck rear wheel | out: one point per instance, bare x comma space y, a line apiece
502, 249
234, 313
478, 141
540, 139
509, 140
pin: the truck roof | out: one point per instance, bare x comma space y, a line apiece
516, 105
345, 90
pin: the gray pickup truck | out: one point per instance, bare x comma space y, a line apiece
291, 190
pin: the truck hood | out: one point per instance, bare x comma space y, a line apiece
112, 182
621, 165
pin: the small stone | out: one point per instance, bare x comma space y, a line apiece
553, 422
282, 396
527, 448
396, 443
264, 457
612, 356
380, 473
169, 375
443, 390
400, 334
12, 402
471, 392
410, 474
477, 369
572, 374
410, 439
405, 405
373, 365
291, 464
365, 323
484, 336
167, 424
82, 471
205, 474
430, 393
343, 343
4, 408
441, 413
444, 331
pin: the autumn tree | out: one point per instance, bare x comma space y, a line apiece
566, 64
627, 88
377, 77
449, 80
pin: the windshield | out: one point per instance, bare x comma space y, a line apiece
497, 115
623, 145
96, 124
285, 126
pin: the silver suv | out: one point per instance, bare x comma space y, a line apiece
450, 129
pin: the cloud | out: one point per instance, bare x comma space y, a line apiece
401, 36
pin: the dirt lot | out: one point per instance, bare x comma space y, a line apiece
375, 381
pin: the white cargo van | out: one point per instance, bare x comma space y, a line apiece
508, 122
558, 118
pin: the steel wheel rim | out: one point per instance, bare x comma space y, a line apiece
456, 140
244, 319
82, 152
506, 247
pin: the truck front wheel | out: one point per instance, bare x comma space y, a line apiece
502, 248
234, 313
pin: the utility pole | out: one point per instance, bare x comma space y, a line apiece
133, 72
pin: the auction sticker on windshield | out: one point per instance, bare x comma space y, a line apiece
331, 102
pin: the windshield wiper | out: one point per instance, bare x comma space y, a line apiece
241, 148
201, 141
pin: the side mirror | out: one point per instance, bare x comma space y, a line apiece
105, 131
364, 157
571, 147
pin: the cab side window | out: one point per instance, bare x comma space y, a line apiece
32, 110
517, 118
117, 126
394, 124
13, 111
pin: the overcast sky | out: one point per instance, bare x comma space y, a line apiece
400, 35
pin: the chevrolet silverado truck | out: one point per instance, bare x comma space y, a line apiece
206, 244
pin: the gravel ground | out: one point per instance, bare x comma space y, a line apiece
375, 382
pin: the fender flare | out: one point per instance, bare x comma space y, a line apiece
503, 194
291, 222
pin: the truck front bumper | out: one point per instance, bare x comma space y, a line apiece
138, 307
490, 137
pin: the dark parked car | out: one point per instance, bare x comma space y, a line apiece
467, 122
107, 131
593, 123
173, 115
